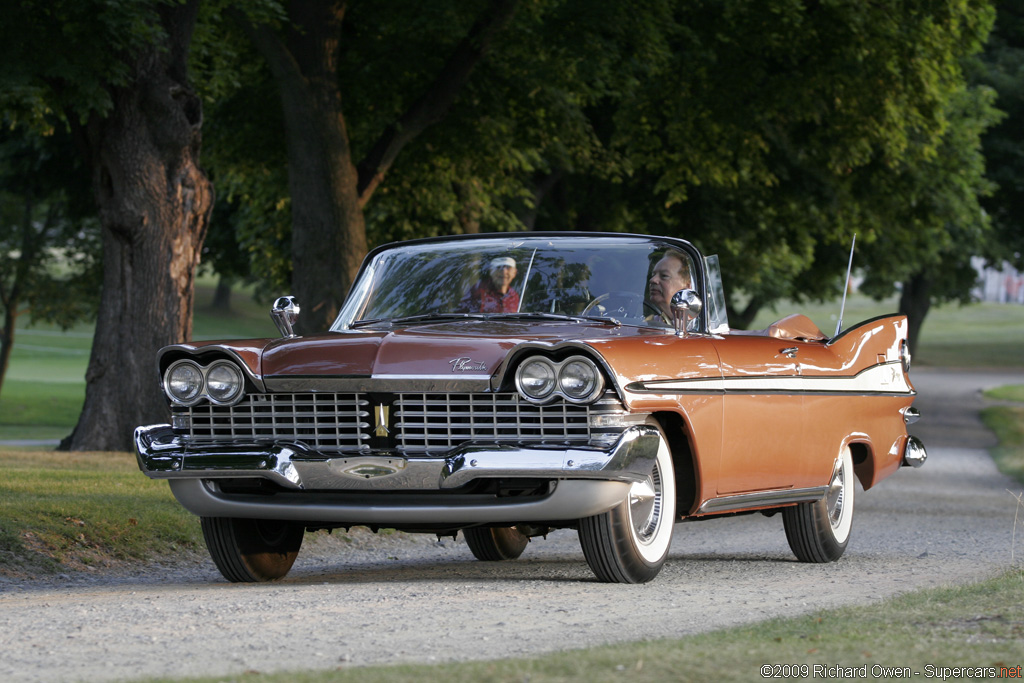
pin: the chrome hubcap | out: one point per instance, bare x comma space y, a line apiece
645, 506
836, 495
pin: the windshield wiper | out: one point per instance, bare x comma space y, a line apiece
422, 318
604, 320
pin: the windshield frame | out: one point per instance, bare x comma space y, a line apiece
358, 297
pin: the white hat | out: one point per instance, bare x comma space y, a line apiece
500, 261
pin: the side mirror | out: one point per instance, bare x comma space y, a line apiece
686, 306
284, 313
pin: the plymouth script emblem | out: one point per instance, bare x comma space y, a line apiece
467, 365
381, 413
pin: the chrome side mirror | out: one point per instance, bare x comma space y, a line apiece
686, 307
284, 313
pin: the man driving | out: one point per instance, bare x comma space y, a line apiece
670, 274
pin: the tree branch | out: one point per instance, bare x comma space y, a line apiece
434, 104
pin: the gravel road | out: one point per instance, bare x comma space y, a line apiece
365, 599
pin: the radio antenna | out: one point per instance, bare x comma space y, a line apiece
846, 287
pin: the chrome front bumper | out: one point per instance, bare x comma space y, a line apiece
320, 487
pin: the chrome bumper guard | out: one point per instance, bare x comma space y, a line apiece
587, 481
914, 453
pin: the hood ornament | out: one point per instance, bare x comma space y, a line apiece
284, 313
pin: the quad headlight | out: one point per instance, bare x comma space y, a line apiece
577, 379
186, 382
224, 382
183, 382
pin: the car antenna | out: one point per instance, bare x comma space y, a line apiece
846, 287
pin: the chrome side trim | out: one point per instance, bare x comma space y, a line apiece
746, 501
884, 379
570, 500
910, 415
162, 455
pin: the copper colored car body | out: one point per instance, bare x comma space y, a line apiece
589, 407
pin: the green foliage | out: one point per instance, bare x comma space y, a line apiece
768, 132
49, 263
936, 204
63, 55
1001, 68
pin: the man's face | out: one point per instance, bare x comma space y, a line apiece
665, 281
502, 277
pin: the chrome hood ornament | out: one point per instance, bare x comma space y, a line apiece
284, 313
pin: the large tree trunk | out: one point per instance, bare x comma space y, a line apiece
328, 228
915, 301
154, 204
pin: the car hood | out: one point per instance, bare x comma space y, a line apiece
468, 349
472, 348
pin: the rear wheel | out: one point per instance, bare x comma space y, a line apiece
250, 550
820, 531
629, 544
495, 544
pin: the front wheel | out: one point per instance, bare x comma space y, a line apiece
495, 544
250, 550
629, 543
820, 531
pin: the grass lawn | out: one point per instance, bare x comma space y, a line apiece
1007, 421
73, 510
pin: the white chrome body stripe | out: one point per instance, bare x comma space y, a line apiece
878, 379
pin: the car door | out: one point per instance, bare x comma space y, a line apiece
762, 422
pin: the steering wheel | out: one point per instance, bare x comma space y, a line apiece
621, 304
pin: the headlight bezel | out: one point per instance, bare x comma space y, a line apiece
552, 371
167, 382
239, 379
204, 391
558, 372
594, 384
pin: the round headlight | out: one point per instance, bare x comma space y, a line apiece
183, 382
579, 379
535, 379
223, 382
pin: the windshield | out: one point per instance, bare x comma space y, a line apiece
618, 280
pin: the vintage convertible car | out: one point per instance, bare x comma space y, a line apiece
506, 385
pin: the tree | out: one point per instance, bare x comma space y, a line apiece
41, 217
937, 205
116, 74
1001, 68
747, 127
328, 189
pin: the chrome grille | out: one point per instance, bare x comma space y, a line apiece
438, 422
423, 423
324, 421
